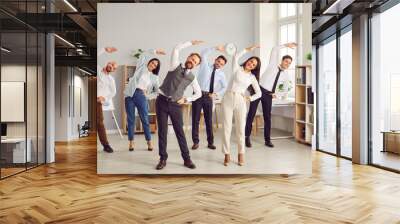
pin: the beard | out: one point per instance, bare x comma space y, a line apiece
188, 65
109, 69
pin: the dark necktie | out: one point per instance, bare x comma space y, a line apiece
276, 79
212, 81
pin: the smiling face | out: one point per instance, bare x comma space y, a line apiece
192, 61
152, 65
111, 67
219, 63
251, 64
285, 64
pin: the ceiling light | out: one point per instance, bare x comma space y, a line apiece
70, 5
64, 40
84, 71
5, 50
337, 7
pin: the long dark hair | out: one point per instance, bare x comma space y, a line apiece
255, 72
157, 69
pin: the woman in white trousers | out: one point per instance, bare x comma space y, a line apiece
234, 101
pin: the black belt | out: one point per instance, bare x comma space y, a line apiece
204, 93
166, 98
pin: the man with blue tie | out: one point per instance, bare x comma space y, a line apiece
212, 82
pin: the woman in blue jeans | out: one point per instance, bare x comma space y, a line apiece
143, 85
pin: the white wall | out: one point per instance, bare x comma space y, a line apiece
66, 120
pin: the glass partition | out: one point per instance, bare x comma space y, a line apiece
346, 93
327, 96
385, 90
23, 90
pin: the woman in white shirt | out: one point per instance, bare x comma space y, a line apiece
143, 85
234, 101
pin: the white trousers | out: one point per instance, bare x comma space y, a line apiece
233, 104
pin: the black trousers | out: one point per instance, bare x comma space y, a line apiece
206, 103
165, 108
266, 102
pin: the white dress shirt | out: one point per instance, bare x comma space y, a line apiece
175, 63
241, 80
268, 73
105, 86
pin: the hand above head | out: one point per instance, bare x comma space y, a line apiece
160, 52
252, 47
220, 48
110, 49
291, 45
196, 42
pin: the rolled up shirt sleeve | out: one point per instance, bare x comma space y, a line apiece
196, 91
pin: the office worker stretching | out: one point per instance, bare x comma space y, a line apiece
234, 101
212, 82
170, 99
106, 90
141, 87
270, 76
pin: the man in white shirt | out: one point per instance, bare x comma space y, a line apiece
169, 102
106, 90
270, 76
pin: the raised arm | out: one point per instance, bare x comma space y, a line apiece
237, 56
100, 53
175, 53
274, 57
144, 59
206, 53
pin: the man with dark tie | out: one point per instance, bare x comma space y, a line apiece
271, 75
170, 99
212, 82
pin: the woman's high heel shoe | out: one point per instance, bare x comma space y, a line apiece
241, 159
227, 159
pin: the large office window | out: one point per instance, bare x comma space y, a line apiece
346, 93
290, 31
22, 88
327, 96
385, 89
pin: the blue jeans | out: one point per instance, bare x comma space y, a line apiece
139, 101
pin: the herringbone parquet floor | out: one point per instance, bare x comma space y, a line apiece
70, 191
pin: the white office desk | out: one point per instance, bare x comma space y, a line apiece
18, 150
286, 110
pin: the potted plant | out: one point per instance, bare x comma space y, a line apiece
281, 92
309, 56
136, 54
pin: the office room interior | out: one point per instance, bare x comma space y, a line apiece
49, 149
241, 24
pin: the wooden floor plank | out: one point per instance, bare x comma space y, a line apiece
70, 191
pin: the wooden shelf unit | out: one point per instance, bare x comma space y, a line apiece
304, 122
128, 71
